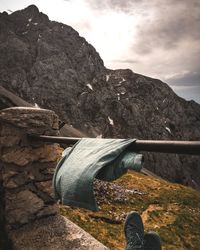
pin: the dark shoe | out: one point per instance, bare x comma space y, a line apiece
152, 241
134, 232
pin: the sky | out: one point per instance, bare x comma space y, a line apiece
156, 38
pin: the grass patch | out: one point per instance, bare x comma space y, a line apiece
171, 210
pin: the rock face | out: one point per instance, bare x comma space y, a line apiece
48, 63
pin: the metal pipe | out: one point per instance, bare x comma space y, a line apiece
177, 147
56, 139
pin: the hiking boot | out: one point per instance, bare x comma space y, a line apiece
152, 241
134, 232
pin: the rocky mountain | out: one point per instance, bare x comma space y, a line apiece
48, 63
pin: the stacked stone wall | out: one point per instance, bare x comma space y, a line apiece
30, 217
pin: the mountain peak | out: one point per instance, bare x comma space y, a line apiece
32, 9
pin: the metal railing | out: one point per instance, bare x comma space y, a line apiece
177, 147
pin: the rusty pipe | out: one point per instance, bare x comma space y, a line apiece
177, 147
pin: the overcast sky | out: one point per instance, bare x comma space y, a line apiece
157, 38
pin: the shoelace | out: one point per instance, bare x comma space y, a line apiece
134, 238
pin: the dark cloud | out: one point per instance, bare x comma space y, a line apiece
187, 79
174, 22
188, 92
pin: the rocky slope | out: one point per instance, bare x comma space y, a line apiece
48, 63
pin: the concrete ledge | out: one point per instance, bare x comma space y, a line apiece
54, 233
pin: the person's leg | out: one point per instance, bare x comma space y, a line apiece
152, 241
134, 232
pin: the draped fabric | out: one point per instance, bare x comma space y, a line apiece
89, 158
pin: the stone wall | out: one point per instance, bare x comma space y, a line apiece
30, 216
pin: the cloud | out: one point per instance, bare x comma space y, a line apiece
188, 92
185, 79
117, 5
170, 23
155, 38
130, 61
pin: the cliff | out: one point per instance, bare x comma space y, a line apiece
48, 63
